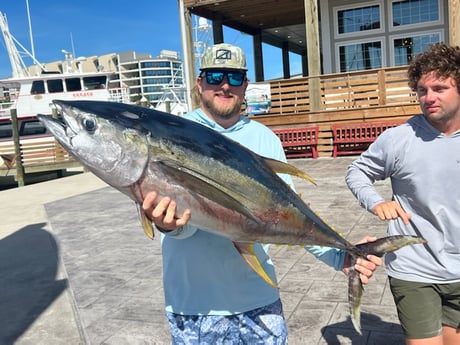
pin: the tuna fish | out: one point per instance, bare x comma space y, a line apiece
230, 190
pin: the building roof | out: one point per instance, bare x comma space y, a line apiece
280, 21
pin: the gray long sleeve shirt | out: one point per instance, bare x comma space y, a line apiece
424, 167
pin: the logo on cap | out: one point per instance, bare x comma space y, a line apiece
223, 54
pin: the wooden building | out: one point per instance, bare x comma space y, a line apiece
354, 54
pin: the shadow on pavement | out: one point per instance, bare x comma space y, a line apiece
28, 285
383, 332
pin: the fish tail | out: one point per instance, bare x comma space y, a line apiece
355, 292
378, 248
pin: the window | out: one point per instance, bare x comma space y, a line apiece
73, 84
34, 127
360, 56
98, 82
55, 85
410, 12
406, 47
6, 130
38, 87
156, 72
155, 64
377, 33
358, 19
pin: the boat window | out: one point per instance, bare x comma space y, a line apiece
55, 85
98, 82
32, 128
38, 87
73, 84
6, 130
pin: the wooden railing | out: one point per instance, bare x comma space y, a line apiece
351, 90
36, 157
363, 96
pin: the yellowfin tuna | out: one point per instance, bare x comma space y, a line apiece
231, 191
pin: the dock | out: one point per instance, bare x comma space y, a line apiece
78, 269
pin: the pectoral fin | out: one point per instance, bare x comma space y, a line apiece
206, 187
247, 252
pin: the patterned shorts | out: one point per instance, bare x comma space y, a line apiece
264, 325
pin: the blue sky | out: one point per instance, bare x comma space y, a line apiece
99, 27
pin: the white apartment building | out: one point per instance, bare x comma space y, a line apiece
147, 76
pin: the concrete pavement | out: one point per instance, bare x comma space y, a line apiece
76, 268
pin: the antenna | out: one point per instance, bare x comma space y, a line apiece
32, 48
71, 42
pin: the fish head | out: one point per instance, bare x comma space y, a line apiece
109, 144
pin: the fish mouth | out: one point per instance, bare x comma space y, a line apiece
59, 128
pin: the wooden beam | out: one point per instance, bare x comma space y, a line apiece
258, 58
313, 52
454, 25
286, 65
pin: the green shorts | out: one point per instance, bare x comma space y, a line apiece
423, 307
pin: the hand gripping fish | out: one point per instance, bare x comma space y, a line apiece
230, 190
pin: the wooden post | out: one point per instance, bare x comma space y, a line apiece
258, 57
17, 149
454, 26
313, 54
189, 54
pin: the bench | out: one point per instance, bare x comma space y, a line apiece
299, 142
355, 138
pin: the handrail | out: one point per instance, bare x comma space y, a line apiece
351, 90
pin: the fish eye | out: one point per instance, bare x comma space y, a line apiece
89, 123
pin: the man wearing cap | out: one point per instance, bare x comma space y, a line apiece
212, 296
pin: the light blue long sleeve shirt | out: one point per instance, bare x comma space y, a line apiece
203, 273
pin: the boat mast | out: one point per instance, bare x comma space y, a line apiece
32, 48
17, 65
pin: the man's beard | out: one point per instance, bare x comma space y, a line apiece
222, 112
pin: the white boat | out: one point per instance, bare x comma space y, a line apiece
31, 90
34, 95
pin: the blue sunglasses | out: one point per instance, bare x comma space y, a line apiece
235, 78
